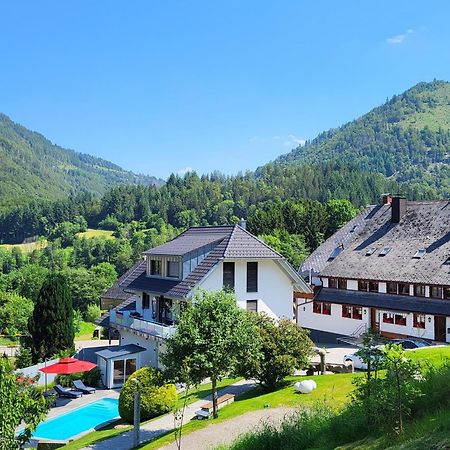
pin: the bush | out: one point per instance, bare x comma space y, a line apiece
157, 397
91, 378
92, 313
23, 358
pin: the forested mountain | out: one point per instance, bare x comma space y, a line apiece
407, 140
31, 167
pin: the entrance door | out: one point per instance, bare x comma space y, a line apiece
374, 324
439, 329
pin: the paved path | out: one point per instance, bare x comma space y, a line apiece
164, 423
226, 432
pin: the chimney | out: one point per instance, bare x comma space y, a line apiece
398, 208
243, 224
386, 199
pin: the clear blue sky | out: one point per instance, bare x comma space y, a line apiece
159, 87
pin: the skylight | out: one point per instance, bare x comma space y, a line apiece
447, 261
370, 251
420, 253
384, 251
335, 253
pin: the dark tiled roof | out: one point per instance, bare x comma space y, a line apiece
192, 239
317, 261
425, 225
120, 350
390, 302
116, 291
231, 242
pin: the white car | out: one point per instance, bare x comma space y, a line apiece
357, 362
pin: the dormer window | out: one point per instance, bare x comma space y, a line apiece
384, 251
155, 267
173, 269
335, 253
420, 253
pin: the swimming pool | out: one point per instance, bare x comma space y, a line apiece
64, 427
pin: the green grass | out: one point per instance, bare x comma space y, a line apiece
109, 431
91, 233
7, 341
333, 389
86, 331
25, 248
435, 356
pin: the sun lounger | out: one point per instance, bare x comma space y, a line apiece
80, 386
67, 392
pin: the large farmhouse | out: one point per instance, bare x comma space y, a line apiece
388, 270
209, 258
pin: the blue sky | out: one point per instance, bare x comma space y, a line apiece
161, 87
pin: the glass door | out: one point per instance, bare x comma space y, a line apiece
130, 367
118, 372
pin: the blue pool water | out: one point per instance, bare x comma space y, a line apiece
75, 422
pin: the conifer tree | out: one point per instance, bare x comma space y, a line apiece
51, 325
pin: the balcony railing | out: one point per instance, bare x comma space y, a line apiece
124, 319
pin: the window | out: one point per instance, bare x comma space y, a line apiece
173, 269
400, 319
419, 290
335, 253
447, 293
384, 251
352, 312
403, 289
342, 283
388, 318
419, 321
155, 267
436, 291
252, 306
370, 251
322, 308
145, 301
362, 285
332, 283
228, 275
420, 253
373, 286
252, 277
392, 288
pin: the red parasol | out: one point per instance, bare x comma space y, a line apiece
69, 365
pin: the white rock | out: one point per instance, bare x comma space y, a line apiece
305, 386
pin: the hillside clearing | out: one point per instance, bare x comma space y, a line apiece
91, 233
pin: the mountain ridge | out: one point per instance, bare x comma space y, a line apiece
32, 167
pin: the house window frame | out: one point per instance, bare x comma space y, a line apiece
439, 288
251, 303
322, 308
419, 321
389, 286
342, 283
252, 276
363, 285
145, 300
156, 264
170, 264
373, 286
400, 319
403, 288
333, 283
419, 290
352, 312
227, 285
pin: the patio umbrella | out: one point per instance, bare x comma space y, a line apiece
69, 365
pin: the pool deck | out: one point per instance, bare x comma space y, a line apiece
65, 405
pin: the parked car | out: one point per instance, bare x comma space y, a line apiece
410, 344
358, 363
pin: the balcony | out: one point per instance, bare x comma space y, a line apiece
126, 320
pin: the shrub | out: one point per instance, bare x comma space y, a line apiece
157, 397
91, 378
23, 358
92, 313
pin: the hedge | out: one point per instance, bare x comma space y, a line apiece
157, 397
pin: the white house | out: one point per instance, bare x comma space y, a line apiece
387, 270
209, 258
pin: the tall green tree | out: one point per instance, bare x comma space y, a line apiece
51, 325
285, 347
213, 339
19, 403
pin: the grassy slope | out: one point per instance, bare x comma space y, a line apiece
434, 355
109, 431
91, 233
333, 389
25, 248
86, 331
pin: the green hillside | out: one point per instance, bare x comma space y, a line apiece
31, 167
407, 139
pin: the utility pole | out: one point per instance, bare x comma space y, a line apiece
137, 413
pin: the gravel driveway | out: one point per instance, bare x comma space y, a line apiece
225, 432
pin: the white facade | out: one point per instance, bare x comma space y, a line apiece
275, 288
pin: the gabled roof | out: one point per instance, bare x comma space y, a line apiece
425, 225
234, 243
116, 292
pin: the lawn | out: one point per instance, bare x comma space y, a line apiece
333, 389
91, 233
435, 356
25, 248
109, 431
86, 331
